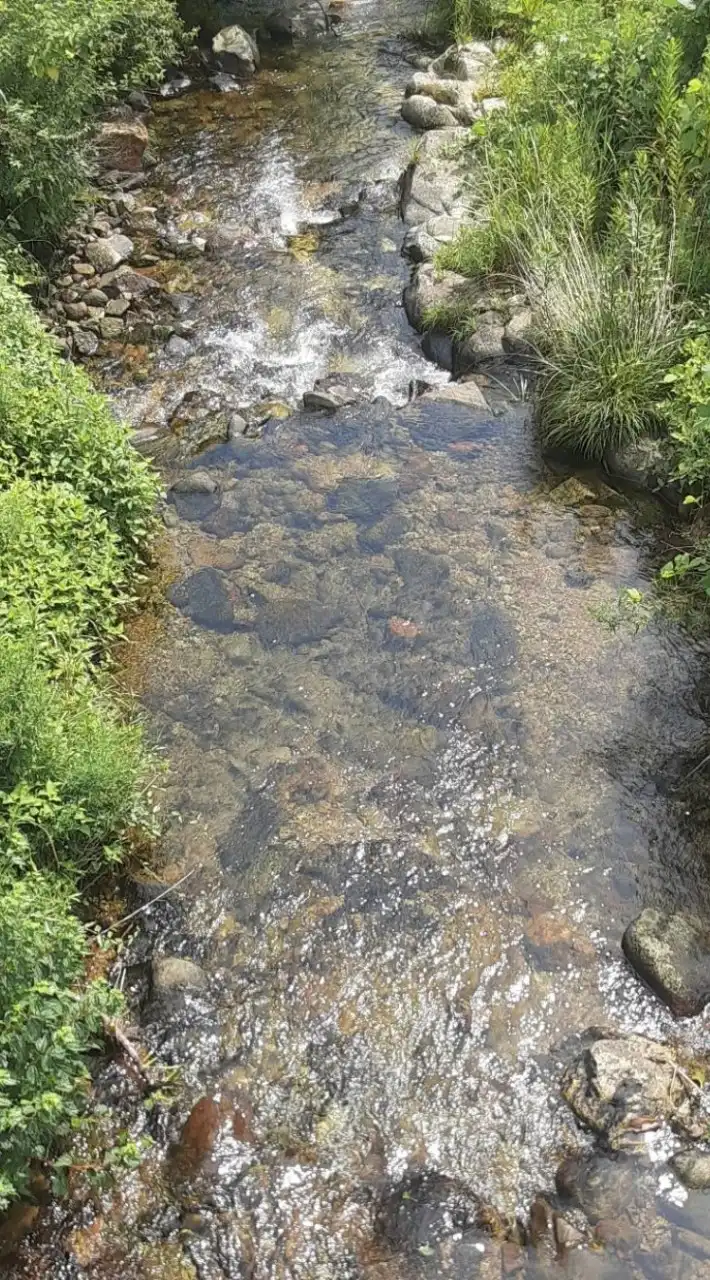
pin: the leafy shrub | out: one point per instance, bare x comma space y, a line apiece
54, 426
61, 565
59, 60
72, 771
689, 414
48, 1020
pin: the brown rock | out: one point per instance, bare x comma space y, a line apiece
198, 1135
84, 269
121, 144
403, 628
76, 310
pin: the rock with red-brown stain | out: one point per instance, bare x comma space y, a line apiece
198, 1136
120, 145
403, 628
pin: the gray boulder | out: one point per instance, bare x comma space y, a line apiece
484, 346
172, 975
470, 62
195, 482
86, 343
465, 393
693, 1169
109, 253
671, 952
423, 113
431, 288
456, 94
236, 51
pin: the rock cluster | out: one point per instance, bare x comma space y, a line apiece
445, 98
106, 292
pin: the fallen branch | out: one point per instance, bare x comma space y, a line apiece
132, 914
113, 1031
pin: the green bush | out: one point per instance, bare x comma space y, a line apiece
61, 565
49, 1018
54, 426
689, 415
73, 771
59, 60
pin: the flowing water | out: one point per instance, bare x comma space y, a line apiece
420, 787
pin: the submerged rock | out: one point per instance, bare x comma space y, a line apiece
439, 1226
235, 51
296, 622
602, 1186
671, 952
195, 482
172, 974
204, 598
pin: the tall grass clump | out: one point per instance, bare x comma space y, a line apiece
593, 190
531, 175
609, 333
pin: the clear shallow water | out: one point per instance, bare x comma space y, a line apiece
422, 789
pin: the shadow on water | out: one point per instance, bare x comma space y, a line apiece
422, 787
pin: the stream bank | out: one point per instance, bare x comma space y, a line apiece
422, 789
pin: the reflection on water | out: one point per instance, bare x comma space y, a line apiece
422, 787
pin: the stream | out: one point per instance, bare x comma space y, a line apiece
419, 787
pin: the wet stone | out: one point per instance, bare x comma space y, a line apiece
492, 640
250, 833
204, 598
434, 1222
364, 501
605, 1187
296, 622
693, 1169
171, 974
671, 952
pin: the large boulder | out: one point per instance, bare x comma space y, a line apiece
424, 113
434, 186
120, 144
236, 51
430, 288
671, 952
623, 1085
470, 62
109, 253
456, 94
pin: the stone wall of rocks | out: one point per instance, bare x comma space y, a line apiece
443, 98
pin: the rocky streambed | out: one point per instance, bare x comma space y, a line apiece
419, 789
